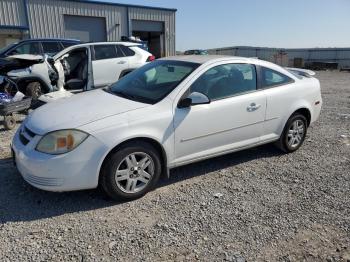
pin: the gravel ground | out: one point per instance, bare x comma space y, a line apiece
254, 205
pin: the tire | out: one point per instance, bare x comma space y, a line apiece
34, 90
119, 173
10, 122
295, 128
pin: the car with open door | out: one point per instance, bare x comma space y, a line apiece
168, 113
80, 68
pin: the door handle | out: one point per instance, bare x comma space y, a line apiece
121, 62
253, 107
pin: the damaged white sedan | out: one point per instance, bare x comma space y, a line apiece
168, 113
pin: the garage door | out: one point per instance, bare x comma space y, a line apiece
147, 26
86, 29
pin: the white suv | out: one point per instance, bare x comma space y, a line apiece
81, 67
168, 113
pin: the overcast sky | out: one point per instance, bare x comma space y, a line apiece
271, 23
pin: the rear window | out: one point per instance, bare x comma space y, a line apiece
51, 48
127, 51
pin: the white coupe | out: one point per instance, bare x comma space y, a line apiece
168, 113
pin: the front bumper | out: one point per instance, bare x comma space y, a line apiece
75, 170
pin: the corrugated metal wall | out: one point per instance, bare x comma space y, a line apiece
167, 17
309, 55
12, 13
46, 17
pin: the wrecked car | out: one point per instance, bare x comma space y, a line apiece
77, 68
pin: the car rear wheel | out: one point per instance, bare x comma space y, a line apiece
33, 90
131, 172
293, 134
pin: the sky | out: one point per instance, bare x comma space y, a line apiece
268, 23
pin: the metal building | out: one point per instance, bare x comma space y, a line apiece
297, 57
87, 21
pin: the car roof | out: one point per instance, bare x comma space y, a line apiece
68, 49
108, 43
49, 39
202, 59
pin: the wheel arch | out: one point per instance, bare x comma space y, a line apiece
153, 142
31, 79
305, 112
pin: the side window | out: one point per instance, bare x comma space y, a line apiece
51, 48
126, 50
226, 80
273, 78
67, 44
28, 48
105, 52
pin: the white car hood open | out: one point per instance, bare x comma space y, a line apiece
27, 57
78, 110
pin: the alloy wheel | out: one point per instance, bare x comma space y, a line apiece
134, 172
296, 133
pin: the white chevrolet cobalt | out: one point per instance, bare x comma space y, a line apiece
168, 113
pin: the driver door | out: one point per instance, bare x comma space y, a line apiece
75, 67
233, 119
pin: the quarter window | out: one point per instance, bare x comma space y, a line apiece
126, 50
273, 78
106, 52
51, 48
226, 80
67, 44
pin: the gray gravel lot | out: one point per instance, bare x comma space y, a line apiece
254, 205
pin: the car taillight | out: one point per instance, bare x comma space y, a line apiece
151, 58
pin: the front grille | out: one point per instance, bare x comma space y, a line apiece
32, 134
26, 135
23, 139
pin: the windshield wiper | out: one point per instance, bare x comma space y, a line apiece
123, 94
128, 96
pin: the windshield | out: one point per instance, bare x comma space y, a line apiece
3, 50
154, 81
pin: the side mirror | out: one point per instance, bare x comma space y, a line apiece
193, 99
49, 59
13, 52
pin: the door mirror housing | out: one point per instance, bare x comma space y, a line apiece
195, 98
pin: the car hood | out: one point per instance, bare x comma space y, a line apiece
18, 62
78, 110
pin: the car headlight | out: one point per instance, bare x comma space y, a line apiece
60, 142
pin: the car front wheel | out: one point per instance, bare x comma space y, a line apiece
131, 172
293, 134
34, 90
